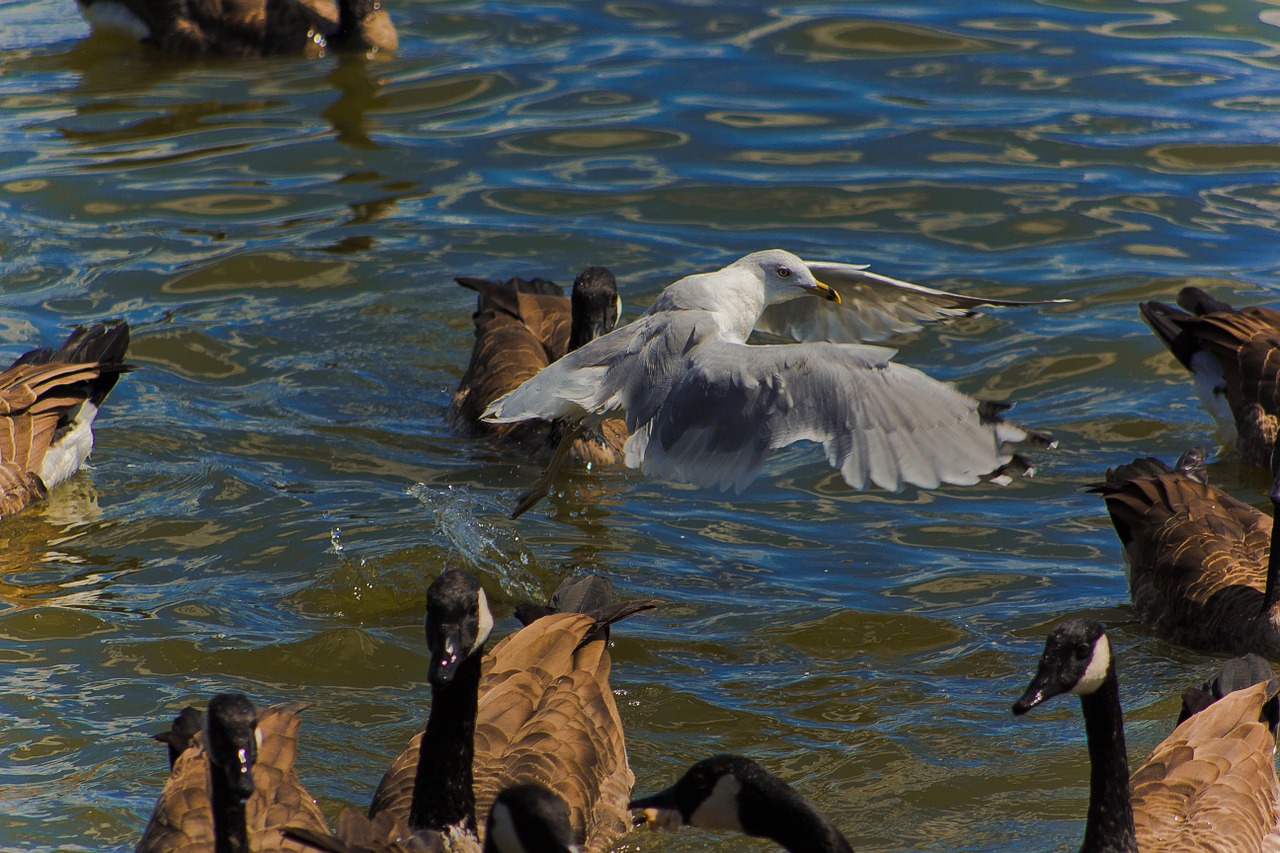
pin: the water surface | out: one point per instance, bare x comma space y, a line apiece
276, 484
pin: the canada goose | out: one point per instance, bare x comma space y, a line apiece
246, 27
705, 406
542, 712
538, 709
48, 400
1230, 352
521, 327
211, 802
1210, 785
737, 794
182, 733
1199, 570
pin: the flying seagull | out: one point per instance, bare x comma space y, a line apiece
704, 406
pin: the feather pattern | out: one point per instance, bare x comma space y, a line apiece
1199, 559
48, 401
1234, 355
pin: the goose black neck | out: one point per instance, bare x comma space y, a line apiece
581, 333
1109, 826
785, 817
230, 834
443, 795
351, 15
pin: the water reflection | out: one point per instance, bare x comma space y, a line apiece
874, 39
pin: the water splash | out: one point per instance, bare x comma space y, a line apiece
475, 544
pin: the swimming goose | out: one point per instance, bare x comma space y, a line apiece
1210, 785
48, 400
1230, 352
537, 709
737, 794
704, 406
235, 788
246, 27
521, 327
1203, 566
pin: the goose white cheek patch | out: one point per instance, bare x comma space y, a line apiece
486, 620
1096, 672
502, 830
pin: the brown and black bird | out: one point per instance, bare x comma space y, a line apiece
1210, 785
48, 400
1234, 356
1204, 569
521, 326
537, 709
234, 788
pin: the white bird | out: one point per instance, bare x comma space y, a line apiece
704, 407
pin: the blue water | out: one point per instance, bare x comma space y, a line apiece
276, 484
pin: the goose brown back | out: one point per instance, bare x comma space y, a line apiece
1211, 785
1198, 557
1240, 382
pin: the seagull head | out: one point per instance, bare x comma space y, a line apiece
785, 277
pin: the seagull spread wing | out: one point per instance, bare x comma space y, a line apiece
706, 410
878, 422
873, 307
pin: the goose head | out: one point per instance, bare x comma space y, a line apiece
458, 623
594, 306
231, 733
730, 792
529, 818
1077, 659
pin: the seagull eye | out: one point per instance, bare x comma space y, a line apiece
784, 272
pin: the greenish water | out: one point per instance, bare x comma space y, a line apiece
276, 484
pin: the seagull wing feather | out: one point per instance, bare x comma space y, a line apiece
879, 422
873, 307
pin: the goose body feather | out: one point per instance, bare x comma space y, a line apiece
1198, 558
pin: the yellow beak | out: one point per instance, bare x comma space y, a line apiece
826, 291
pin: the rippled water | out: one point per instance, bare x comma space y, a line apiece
276, 484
